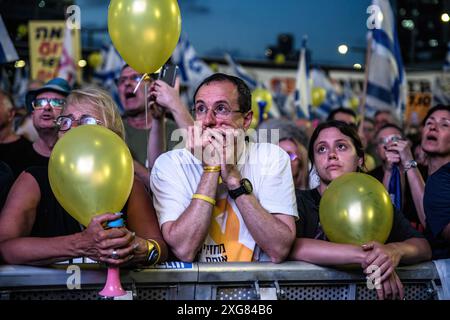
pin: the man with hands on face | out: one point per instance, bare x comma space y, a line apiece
223, 198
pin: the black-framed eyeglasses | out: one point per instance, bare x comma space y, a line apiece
220, 111
52, 102
64, 123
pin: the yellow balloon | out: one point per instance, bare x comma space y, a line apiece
261, 100
356, 209
91, 172
261, 95
145, 32
354, 103
369, 162
318, 96
95, 59
280, 58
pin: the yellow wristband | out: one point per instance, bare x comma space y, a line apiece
204, 198
212, 168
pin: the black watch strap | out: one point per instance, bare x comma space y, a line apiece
245, 188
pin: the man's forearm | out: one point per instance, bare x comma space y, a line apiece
187, 234
182, 116
156, 141
273, 236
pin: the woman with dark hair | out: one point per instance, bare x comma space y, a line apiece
335, 149
436, 198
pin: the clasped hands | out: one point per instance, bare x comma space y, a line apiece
217, 147
398, 152
379, 265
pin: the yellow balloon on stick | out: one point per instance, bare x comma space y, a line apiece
356, 209
95, 59
318, 96
90, 172
261, 104
354, 103
144, 32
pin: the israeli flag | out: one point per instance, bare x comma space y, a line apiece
7, 51
107, 74
440, 94
67, 68
241, 73
386, 88
302, 95
332, 100
191, 68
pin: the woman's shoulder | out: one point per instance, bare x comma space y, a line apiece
309, 194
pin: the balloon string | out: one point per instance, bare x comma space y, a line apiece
146, 79
139, 82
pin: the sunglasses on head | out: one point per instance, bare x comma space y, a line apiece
52, 102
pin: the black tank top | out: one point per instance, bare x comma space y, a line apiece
51, 218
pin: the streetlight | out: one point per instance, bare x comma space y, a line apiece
343, 49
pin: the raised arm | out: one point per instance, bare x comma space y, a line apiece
168, 98
404, 158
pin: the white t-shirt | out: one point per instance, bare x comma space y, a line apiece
175, 178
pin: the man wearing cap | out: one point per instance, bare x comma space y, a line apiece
46, 103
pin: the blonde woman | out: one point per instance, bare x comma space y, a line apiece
36, 230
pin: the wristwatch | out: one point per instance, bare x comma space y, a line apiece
245, 188
410, 164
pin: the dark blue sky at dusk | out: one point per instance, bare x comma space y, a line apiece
245, 28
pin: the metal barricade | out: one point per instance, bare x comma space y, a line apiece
201, 281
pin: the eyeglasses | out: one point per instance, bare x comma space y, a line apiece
388, 139
64, 123
220, 111
133, 78
43, 102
